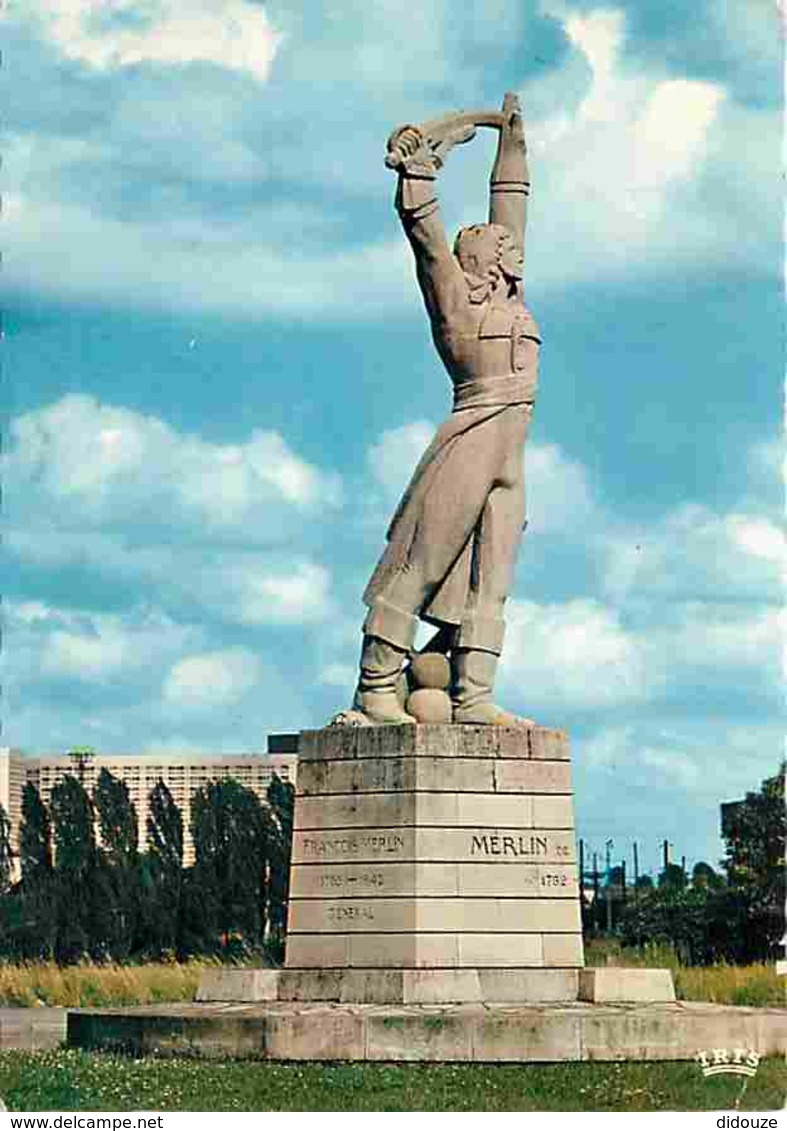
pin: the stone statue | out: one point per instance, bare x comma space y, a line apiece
453, 540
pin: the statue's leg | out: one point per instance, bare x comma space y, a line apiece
479, 640
377, 695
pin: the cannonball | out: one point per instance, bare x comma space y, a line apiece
429, 705
430, 669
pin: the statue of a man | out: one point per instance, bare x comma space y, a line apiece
453, 541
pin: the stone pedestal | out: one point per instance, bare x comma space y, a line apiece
433, 864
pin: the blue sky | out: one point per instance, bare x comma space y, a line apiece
219, 375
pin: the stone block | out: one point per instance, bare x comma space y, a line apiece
408, 950
406, 808
618, 983
232, 983
426, 1034
537, 1035
316, 1033
432, 914
530, 776
550, 744
485, 949
487, 878
443, 741
528, 985
563, 950
317, 950
553, 811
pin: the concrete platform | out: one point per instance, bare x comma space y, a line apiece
32, 1028
533, 1033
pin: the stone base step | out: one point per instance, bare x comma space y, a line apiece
534, 1033
396, 986
505, 986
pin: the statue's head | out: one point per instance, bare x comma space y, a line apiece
486, 250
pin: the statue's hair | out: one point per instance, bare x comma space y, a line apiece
480, 247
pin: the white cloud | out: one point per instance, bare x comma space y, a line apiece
83, 460
559, 494
616, 185
670, 132
135, 501
255, 594
394, 457
599, 36
106, 34
97, 657
758, 537
62, 248
693, 551
121, 681
212, 679
575, 655
86, 645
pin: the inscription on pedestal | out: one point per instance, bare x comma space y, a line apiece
429, 843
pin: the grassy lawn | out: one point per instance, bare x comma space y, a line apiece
45, 983
77, 1081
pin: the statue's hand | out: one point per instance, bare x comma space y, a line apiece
410, 153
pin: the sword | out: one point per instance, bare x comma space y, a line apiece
441, 134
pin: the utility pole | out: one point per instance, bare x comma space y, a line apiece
607, 888
623, 881
666, 854
595, 890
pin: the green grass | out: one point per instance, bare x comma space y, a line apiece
111, 984
757, 984
68, 1080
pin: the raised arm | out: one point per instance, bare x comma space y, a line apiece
439, 275
510, 181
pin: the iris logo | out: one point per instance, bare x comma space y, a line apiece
731, 1062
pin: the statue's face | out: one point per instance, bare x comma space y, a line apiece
510, 259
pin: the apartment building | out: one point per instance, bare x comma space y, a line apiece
183, 774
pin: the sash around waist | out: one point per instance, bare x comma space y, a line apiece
511, 389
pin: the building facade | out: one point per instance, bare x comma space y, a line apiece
183, 774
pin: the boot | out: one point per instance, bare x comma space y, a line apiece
473, 674
376, 697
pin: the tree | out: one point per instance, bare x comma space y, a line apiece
35, 836
37, 918
703, 875
164, 870
229, 833
672, 877
6, 855
117, 819
75, 868
755, 830
281, 798
118, 865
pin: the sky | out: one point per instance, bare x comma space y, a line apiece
218, 375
